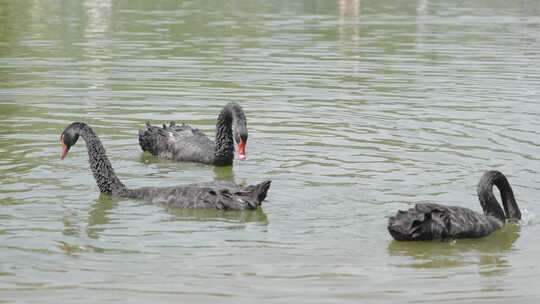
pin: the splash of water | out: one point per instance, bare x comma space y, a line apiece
527, 218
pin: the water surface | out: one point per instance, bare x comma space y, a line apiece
355, 109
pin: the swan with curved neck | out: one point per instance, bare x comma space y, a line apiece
218, 195
186, 144
428, 221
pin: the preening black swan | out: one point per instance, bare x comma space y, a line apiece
218, 195
433, 221
186, 144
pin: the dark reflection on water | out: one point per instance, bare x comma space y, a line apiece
220, 173
224, 173
487, 251
99, 215
244, 216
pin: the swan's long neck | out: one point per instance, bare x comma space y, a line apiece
224, 149
100, 165
489, 202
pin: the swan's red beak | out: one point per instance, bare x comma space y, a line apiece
242, 150
65, 149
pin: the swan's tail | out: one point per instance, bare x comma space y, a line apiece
423, 222
257, 193
154, 139
261, 190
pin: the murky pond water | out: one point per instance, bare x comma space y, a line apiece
355, 109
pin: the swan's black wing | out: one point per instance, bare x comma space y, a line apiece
218, 195
180, 143
433, 221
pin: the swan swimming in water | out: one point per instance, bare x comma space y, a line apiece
427, 221
186, 144
214, 195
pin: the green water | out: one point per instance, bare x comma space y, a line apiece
355, 109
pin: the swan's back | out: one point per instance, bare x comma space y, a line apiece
217, 195
428, 221
180, 143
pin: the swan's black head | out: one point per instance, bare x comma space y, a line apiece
69, 137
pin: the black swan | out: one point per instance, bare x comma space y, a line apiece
186, 144
428, 221
218, 195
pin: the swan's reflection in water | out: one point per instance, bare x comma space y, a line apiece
99, 215
147, 158
99, 218
224, 173
238, 216
220, 173
486, 252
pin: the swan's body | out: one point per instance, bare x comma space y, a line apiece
186, 144
218, 195
433, 221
